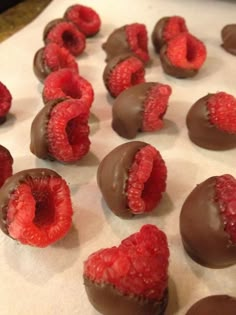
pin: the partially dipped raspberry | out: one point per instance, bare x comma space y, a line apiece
131, 38
140, 108
183, 55
122, 72
133, 275
35, 207
132, 178
60, 131
65, 83
208, 222
51, 58
6, 162
211, 121
5, 102
228, 35
85, 18
65, 34
167, 28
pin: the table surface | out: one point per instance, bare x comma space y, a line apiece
49, 281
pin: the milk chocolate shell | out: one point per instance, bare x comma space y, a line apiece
108, 301
202, 229
214, 305
128, 110
118, 44
228, 35
113, 174
205, 134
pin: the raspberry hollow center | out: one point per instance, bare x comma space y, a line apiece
146, 180
39, 211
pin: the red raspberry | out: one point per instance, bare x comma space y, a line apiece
60, 131
136, 268
146, 180
66, 35
155, 106
119, 75
226, 198
85, 18
222, 111
36, 207
68, 131
173, 27
137, 38
65, 83
52, 58
5, 102
186, 51
6, 162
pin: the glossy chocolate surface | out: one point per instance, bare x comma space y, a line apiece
109, 301
12, 183
172, 70
112, 176
128, 108
202, 132
157, 34
228, 35
38, 135
202, 228
214, 305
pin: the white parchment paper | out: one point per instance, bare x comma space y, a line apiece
49, 281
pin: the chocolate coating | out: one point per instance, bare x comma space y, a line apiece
214, 305
38, 144
127, 110
203, 133
228, 35
12, 183
112, 175
172, 70
109, 301
202, 228
157, 34
116, 44
41, 70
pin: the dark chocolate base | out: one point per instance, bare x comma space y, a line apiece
109, 301
40, 68
202, 228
